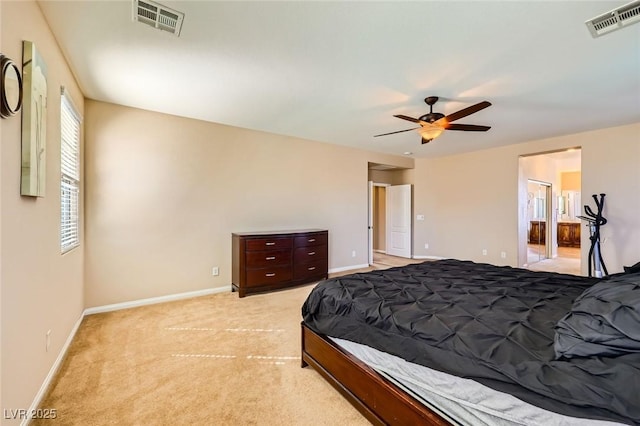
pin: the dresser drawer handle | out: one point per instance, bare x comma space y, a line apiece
270, 275
311, 268
270, 244
270, 258
311, 253
311, 240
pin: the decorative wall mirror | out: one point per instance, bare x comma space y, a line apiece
34, 122
11, 89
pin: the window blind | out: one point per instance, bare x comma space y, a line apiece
70, 174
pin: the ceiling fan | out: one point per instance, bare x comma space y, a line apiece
434, 123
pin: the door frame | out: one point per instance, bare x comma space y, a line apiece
370, 222
524, 174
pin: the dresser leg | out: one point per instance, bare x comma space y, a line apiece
241, 292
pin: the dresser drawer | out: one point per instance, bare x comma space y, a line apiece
314, 269
265, 276
311, 240
261, 259
309, 254
268, 244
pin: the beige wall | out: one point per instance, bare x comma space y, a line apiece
462, 219
611, 165
570, 181
41, 289
392, 177
165, 193
1, 285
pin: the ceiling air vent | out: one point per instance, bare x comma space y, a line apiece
615, 19
158, 16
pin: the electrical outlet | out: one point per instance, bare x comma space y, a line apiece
353, 253
420, 217
503, 254
426, 245
215, 271
46, 348
484, 252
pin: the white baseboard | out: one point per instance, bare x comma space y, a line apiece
154, 300
52, 372
429, 257
348, 268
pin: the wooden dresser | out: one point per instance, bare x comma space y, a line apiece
263, 261
568, 234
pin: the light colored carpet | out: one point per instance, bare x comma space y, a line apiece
563, 265
567, 262
382, 261
213, 360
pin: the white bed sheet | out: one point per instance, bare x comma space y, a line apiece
462, 401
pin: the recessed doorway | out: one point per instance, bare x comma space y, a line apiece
390, 211
549, 205
379, 219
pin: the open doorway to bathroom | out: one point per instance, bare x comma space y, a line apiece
550, 202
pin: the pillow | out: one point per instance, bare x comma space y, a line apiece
603, 321
632, 269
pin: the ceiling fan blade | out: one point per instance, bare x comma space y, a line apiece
467, 111
405, 117
393, 133
468, 127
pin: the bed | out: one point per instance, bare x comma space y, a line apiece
563, 344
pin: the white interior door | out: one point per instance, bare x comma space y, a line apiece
399, 220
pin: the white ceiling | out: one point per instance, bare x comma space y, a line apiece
337, 71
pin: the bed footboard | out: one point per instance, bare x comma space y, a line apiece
379, 400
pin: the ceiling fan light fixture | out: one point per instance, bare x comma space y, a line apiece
430, 131
434, 123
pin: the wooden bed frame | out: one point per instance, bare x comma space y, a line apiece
378, 399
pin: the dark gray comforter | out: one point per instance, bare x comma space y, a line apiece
491, 324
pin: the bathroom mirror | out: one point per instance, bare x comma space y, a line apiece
572, 205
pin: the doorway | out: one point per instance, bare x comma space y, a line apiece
390, 229
377, 220
549, 204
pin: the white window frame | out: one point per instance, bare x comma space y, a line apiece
70, 127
